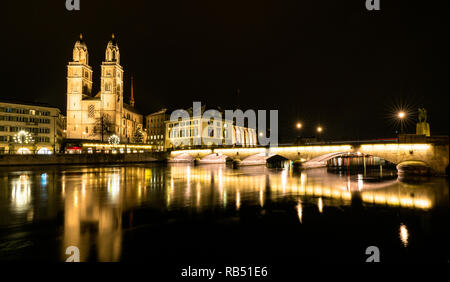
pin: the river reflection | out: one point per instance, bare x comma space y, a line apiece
92, 207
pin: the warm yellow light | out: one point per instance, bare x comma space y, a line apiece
404, 235
401, 115
299, 125
319, 129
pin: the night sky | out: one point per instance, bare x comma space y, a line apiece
329, 62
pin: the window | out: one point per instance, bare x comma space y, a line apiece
91, 111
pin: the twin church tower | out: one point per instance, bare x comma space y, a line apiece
96, 117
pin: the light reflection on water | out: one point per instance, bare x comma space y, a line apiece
93, 199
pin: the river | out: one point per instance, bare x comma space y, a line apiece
214, 212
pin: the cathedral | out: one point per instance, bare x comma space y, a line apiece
99, 116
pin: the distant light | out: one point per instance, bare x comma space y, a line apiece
359, 153
401, 115
404, 235
319, 129
299, 125
260, 134
44, 179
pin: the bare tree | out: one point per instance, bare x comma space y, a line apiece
103, 127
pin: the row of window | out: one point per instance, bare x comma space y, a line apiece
6, 138
156, 137
24, 111
43, 130
186, 123
181, 133
25, 119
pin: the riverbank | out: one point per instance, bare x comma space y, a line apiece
77, 159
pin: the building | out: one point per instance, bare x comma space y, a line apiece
132, 122
156, 128
99, 116
199, 132
27, 128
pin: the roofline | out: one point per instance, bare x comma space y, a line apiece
27, 103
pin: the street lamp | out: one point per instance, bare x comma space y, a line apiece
54, 133
319, 130
299, 125
401, 115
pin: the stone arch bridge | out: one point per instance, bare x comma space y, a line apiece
432, 155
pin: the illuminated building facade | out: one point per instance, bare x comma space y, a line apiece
200, 132
89, 115
41, 127
156, 128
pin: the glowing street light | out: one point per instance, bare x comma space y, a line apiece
401, 115
319, 129
299, 125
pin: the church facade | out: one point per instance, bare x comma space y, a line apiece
99, 116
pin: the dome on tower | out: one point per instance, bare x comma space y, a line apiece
112, 41
112, 51
80, 51
80, 43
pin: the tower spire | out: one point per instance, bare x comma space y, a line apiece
132, 96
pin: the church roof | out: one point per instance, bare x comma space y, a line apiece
162, 111
87, 97
130, 108
28, 103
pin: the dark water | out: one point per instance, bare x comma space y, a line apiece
182, 213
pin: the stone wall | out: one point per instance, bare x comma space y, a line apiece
24, 160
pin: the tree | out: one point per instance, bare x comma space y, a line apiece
103, 127
138, 136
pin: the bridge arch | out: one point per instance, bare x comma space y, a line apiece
214, 158
433, 155
182, 158
413, 167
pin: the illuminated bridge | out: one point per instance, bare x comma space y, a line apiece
434, 156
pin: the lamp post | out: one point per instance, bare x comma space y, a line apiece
299, 126
401, 115
319, 130
54, 134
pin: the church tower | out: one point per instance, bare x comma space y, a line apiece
79, 84
112, 86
